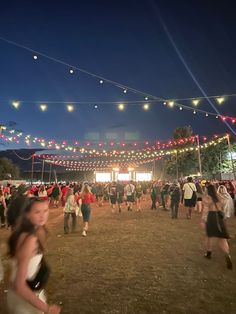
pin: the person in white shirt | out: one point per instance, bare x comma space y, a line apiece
189, 196
129, 193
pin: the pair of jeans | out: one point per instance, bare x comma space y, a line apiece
66, 222
174, 208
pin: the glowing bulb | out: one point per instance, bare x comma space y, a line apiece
164, 103
101, 81
171, 104
180, 108
71, 71
35, 57
217, 117
121, 107
43, 107
16, 104
70, 108
196, 102
125, 91
220, 100
96, 106
146, 98
146, 107
207, 115
194, 112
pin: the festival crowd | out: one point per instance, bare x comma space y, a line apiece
24, 210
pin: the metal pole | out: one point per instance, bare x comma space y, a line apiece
230, 152
42, 171
199, 155
32, 169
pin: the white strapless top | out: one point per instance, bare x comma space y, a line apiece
33, 267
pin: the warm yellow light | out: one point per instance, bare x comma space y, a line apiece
43, 107
16, 104
220, 100
116, 169
196, 102
146, 106
121, 107
171, 104
70, 108
130, 169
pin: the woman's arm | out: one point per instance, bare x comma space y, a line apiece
25, 252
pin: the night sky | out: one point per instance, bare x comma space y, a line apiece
125, 41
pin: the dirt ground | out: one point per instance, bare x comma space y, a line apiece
135, 263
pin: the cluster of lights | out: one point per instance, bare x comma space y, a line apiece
127, 159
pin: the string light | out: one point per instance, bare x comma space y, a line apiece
121, 107
43, 107
16, 104
146, 107
35, 57
125, 91
220, 100
194, 112
101, 82
71, 71
146, 98
70, 108
180, 108
196, 102
171, 104
96, 106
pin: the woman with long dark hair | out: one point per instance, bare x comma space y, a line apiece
87, 198
213, 221
29, 269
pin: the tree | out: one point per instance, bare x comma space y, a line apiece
8, 169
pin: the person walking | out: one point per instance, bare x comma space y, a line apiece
87, 198
70, 209
30, 271
189, 196
214, 223
175, 197
129, 192
226, 200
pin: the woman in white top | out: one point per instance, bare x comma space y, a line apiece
226, 200
29, 270
70, 209
189, 196
42, 192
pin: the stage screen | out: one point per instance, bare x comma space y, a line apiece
103, 177
123, 176
143, 176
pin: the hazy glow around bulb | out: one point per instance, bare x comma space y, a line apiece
146, 106
171, 104
196, 102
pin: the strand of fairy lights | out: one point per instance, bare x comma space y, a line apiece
102, 79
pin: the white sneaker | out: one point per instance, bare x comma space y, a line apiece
84, 233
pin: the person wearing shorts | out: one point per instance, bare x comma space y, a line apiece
129, 192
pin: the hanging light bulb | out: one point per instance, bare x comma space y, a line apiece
146, 107
71, 71
125, 91
101, 82
43, 107
171, 104
194, 112
70, 108
16, 104
207, 115
146, 98
121, 107
35, 57
196, 102
220, 100
96, 106
180, 108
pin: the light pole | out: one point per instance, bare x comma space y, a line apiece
199, 155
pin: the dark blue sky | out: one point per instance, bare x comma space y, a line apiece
123, 41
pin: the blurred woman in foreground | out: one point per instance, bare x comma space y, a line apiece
29, 270
213, 221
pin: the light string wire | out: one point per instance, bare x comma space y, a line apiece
119, 85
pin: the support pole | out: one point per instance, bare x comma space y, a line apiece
42, 175
32, 169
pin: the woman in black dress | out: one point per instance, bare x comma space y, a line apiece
213, 221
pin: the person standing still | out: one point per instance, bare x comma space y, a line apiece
189, 196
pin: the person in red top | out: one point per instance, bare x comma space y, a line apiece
64, 191
87, 198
